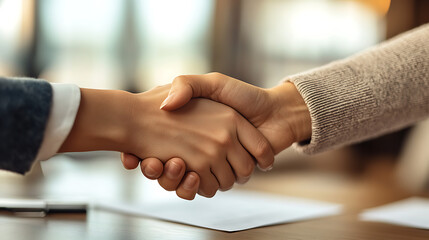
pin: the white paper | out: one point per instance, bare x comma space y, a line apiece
411, 212
231, 211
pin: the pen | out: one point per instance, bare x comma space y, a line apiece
40, 207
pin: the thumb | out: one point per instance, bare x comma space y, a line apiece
180, 93
246, 99
186, 87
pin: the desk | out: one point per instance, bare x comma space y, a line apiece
103, 177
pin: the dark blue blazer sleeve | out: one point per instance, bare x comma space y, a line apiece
24, 110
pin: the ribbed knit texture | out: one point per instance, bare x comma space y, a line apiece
378, 91
24, 110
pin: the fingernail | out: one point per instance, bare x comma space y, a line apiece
167, 100
150, 172
266, 169
173, 170
190, 182
242, 180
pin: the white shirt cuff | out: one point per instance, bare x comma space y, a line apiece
65, 104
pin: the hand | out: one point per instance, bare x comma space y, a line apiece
170, 178
209, 136
101, 123
216, 142
279, 113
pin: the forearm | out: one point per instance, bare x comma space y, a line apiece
369, 94
101, 122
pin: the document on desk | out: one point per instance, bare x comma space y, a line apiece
231, 211
411, 212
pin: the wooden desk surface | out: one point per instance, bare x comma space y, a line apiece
103, 177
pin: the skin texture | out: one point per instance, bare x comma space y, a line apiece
186, 186
279, 113
218, 144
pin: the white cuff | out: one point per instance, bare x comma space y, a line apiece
65, 104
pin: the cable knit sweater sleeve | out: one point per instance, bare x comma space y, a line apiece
375, 92
24, 110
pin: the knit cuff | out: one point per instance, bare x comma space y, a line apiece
378, 91
338, 102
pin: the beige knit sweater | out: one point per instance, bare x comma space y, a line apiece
378, 91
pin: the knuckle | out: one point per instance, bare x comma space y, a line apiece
214, 154
263, 149
215, 74
208, 188
250, 169
180, 79
247, 170
225, 139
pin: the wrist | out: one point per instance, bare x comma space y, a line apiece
101, 121
292, 107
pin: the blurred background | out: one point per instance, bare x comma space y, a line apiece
135, 45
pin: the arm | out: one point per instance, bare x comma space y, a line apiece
214, 140
279, 113
24, 110
372, 93
378, 91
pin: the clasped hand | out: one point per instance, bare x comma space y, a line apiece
199, 145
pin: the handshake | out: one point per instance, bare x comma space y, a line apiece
200, 134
